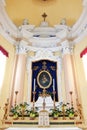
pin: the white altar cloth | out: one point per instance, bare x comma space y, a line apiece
49, 104
60, 128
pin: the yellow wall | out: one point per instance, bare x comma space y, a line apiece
4, 94
33, 9
82, 82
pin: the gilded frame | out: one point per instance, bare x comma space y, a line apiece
44, 79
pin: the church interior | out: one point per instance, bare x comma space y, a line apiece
43, 64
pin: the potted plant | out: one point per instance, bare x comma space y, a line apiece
15, 112
33, 113
55, 112
70, 112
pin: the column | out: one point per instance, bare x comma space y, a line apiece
70, 85
18, 77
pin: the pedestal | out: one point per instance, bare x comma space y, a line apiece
43, 118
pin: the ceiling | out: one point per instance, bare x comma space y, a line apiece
18, 10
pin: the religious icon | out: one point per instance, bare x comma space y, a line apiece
44, 79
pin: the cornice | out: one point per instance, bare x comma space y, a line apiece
22, 47
67, 47
79, 29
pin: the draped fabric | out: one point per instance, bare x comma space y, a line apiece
48, 66
83, 52
4, 51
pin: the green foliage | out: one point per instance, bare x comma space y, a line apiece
19, 109
70, 111
15, 110
33, 112
55, 112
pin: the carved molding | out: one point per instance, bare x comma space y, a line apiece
67, 48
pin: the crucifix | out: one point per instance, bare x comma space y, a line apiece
44, 15
44, 95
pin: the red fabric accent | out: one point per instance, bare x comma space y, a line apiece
83, 52
3, 51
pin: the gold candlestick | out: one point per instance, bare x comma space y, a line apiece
16, 93
71, 98
34, 100
63, 111
79, 109
54, 92
5, 111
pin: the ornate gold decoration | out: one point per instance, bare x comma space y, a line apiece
6, 107
44, 95
44, 67
53, 68
35, 67
79, 109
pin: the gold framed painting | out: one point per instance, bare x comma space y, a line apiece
44, 79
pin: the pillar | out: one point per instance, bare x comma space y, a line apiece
18, 77
70, 85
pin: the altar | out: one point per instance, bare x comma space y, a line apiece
49, 103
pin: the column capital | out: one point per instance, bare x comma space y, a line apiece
67, 47
21, 49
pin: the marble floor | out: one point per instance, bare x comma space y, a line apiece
60, 128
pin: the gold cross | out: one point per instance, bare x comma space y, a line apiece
44, 15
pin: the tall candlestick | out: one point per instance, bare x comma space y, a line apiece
34, 85
53, 85
16, 93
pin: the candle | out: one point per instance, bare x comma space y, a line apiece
53, 85
34, 85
